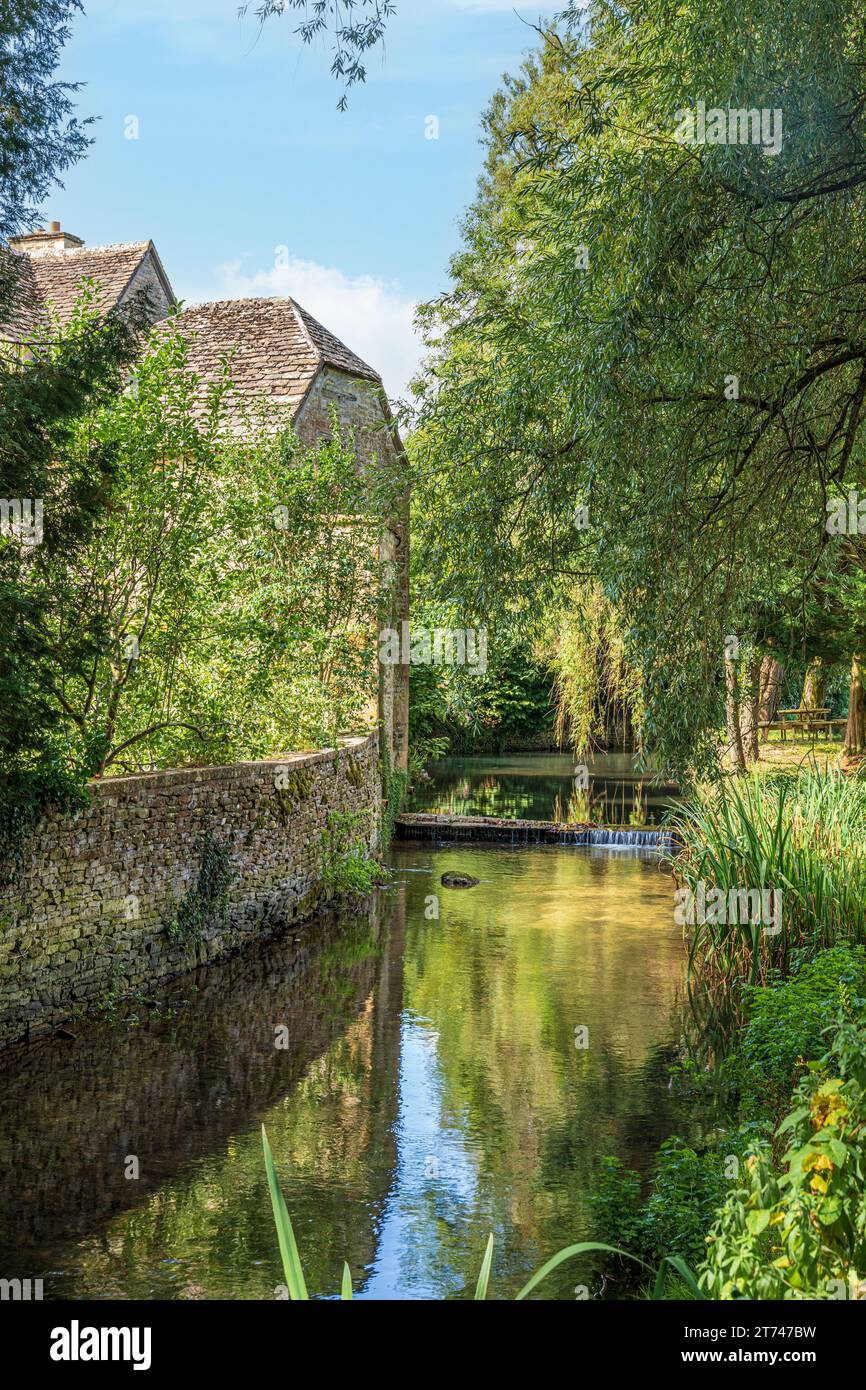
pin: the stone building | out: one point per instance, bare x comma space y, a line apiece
279, 354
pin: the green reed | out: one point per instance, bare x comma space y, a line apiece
802, 836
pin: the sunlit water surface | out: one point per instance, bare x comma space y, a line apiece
432, 1091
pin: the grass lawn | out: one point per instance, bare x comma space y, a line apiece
822, 754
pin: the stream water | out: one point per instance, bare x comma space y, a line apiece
544, 786
434, 1088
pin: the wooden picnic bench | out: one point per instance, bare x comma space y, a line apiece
808, 722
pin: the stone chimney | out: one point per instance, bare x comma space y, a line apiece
41, 243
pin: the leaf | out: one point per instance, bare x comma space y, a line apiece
793, 1119
758, 1221
569, 1253
683, 1271
346, 1293
484, 1274
294, 1275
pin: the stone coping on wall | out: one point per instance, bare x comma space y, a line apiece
230, 772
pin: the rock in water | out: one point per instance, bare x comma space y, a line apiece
459, 881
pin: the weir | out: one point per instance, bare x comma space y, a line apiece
428, 826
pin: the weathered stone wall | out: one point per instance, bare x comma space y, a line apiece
361, 406
148, 280
165, 871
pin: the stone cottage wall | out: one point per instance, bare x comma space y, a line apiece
360, 406
162, 872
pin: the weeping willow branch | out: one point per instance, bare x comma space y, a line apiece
594, 683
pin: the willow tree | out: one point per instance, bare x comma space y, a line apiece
651, 367
352, 27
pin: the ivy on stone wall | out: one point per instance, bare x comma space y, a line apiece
205, 900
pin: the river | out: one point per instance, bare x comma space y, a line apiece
450, 1063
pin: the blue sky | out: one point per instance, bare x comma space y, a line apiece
250, 181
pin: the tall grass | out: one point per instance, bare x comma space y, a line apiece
803, 836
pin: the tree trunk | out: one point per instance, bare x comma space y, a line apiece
736, 754
772, 673
815, 685
751, 711
855, 732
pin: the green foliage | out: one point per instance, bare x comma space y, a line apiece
355, 27
346, 867
48, 636
43, 391
801, 1232
464, 712
786, 1023
25, 796
616, 1205
234, 580
598, 691
204, 902
613, 281
686, 1189
394, 788
804, 837
40, 136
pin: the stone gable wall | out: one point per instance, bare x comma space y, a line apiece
148, 280
359, 407
358, 403
230, 853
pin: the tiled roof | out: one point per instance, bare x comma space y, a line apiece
25, 308
53, 281
275, 347
58, 277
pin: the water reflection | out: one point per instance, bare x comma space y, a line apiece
432, 1092
544, 786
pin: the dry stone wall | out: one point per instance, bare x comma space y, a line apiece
162, 872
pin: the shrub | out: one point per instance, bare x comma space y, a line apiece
346, 867
786, 1024
801, 1233
205, 901
687, 1188
804, 837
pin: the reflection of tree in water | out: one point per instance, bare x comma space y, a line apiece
459, 1049
197, 1084
504, 993
530, 794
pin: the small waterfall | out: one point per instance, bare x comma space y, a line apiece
602, 836
523, 832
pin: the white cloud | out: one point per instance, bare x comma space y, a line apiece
370, 315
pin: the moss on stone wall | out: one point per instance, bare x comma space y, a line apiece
291, 788
353, 774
